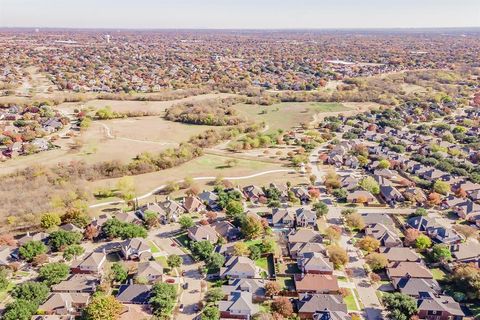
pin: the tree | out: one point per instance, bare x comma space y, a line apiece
441, 253
283, 306
19, 310
272, 288
340, 194
50, 220
162, 299
252, 227
255, 252
103, 307
355, 221
369, 184
399, 306
60, 239
423, 242
241, 249
91, 232
186, 222
268, 245
53, 273
31, 249
441, 187
214, 295
233, 208
333, 233
211, 313
466, 278
420, 212
114, 228
215, 261
201, 250
320, 208
35, 292
434, 198
126, 188
383, 164
332, 180
369, 244
410, 236
337, 255
4, 279
118, 273
72, 251
174, 261
376, 261
151, 218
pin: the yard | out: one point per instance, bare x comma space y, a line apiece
286, 283
438, 274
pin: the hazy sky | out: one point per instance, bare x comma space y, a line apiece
248, 14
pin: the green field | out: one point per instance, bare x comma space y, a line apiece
286, 115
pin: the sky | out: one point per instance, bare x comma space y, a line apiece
240, 14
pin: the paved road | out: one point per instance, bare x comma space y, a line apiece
366, 291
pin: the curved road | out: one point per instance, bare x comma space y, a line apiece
196, 179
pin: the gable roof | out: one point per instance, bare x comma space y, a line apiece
413, 286
431, 302
134, 293
408, 269
239, 301
316, 283
311, 303
397, 254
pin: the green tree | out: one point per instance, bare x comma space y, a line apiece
423, 242
214, 295
31, 249
119, 273
60, 239
255, 252
420, 212
53, 273
201, 250
162, 299
369, 184
72, 251
126, 188
383, 164
35, 292
441, 253
211, 313
215, 261
441, 187
114, 228
103, 307
186, 222
320, 208
241, 249
174, 261
20, 310
234, 208
268, 246
252, 227
50, 220
399, 306
4, 279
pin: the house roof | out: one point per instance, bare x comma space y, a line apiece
238, 265
63, 300
397, 254
431, 302
304, 235
254, 286
469, 249
202, 233
331, 315
192, 203
383, 233
134, 293
137, 244
317, 261
92, 260
77, 282
409, 269
240, 301
281, 214
311, 303
413, 286
149, 268
316, 283
377, 217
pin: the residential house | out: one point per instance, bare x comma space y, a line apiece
239, 267
438, 307
136, 249
39, 236
390, 194
400, 254
414, 286
360, 196
310, 304
92, 264
193, 204
210, 199
408, 269
151, 271
315, 263
297, 238
385, 234
316, 283
239, 305
253, 193
172, 208
305, 218
331, 315
63, 303
226, 230
203, 233
134, 293
283, 217
78, 283
255, 286
300, 249
467, 252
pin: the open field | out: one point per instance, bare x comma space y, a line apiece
287, 115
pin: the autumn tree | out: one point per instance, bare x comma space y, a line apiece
252, 227
50, 220
355, 221
337, 255
410, 236
241, 249
103, 307
376, 261
283, 306
272, 288
333, 233
368, 244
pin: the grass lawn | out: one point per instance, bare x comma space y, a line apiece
253, 242
286, 115
286, 282
183, 239
162, 260
153, 247
350, 302
262, 263
342, 279
438, 274
4, 293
